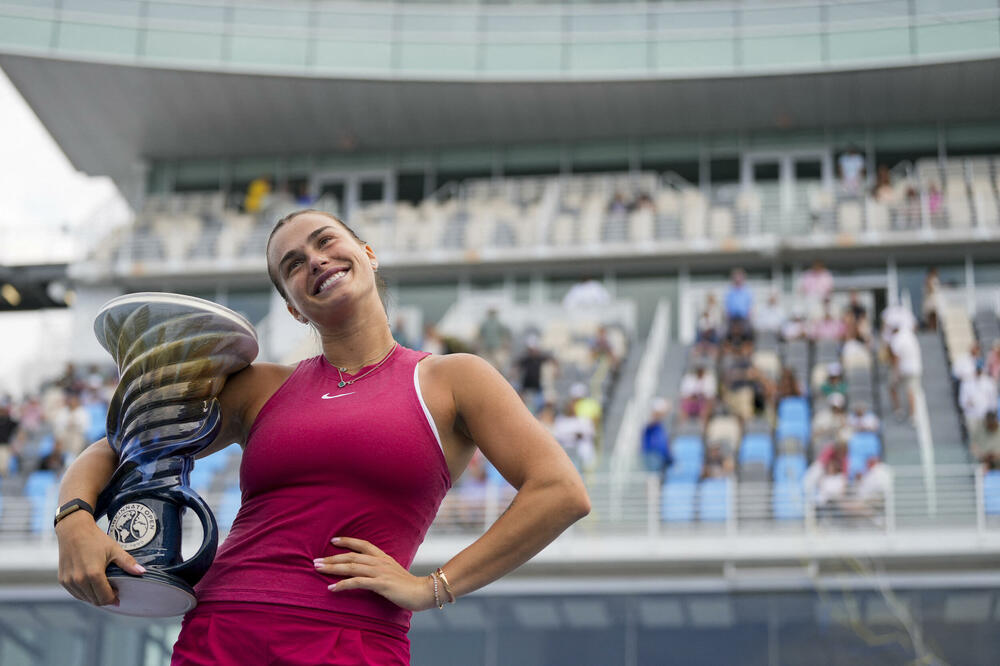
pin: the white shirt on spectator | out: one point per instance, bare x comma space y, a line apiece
905, 347
964, 367
874, 484
691, 385
977, 395
769, 317
576, 435
586, 294
897, 316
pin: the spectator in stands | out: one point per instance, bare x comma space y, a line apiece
747, 390
910, 218
8, 429
934, 204
834, 382
788, 385
586, 407
931, 299
717, 465
305, 198
856, 323
656, 439
432, 343
698, 391
258, 191
494, 340
965, 363
851, 166
708, 327
828, 423
883, 192
977, 396
907, 366
603, 350
399, 332
827, 327
985, 440
873, 486
815, 286
831, 489
795, 328
529, 366
896, 316
70, 425
53, 461
863, 419
576, 435
588, 293
739, 298
993, 361
770, 316
739, 338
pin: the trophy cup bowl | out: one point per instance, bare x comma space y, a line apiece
174, 354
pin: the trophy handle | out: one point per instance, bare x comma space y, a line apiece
192, 569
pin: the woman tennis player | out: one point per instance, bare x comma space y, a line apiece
346, 458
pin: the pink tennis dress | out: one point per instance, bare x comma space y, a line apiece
363, 460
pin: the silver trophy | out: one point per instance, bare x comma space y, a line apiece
174, 354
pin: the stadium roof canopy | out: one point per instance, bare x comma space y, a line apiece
109, 118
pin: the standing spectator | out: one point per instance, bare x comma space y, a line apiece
739, 298
883, 192
851, 165
717, 465
984, 441
907, 366
70, 426
258, 191
656, 440
585, 406
529, 365
834, 382
494, 340
588, 293
603, 350
815, 286
965, 363
977, 396
932, 296
576, 435
8, 428
698, 391
769, 317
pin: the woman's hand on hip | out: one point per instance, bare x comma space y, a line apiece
368, 568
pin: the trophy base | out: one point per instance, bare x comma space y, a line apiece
150, 595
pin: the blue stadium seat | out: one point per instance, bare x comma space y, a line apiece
45, 445
793, 409
229, 506
689, 456
793, 427
756, 448
787, 500
677, 501
37, 489
789, 467
98, 413
713, 499
991, 492
864, 445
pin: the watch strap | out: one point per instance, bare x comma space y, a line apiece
72, 506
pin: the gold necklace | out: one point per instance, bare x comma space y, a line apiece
348, 382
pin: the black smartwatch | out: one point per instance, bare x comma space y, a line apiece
70, 507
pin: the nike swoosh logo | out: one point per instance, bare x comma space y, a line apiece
339, 395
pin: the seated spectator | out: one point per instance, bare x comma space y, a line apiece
588, 293
834, 382
708, 327
718, 464
827, 327
831, 489
985, 439
795, 328
54, 461
964, 365
856, 323
739, 298
494, 340
829, 422
747, 389
698, 391
873, 486
576, 435
656, 440
586, 406
851, 167
977, 396
769, 317
815, 286
863, 419
855, 353
739, 338
993, 361
788, 385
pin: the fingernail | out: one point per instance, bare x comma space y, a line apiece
317, 564
335, 540
141, 569
332, 587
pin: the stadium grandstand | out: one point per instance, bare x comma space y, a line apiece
741, 258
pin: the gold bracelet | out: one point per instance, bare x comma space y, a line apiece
437, 597
447, 586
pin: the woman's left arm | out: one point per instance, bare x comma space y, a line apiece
550, 494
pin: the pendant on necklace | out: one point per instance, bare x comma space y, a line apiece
342, 384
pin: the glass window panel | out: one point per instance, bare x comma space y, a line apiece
522, 57
37, 4
793, 50
115, 7
356, 55
439, 57
677, 19
178, 12
97, 38
958, 37
937, 7
859, 11
25, 32
695, 54
343, 20
458, 21
183, 45
780, 16
631, 55
869, 44
526, 22
606, 22
269, 17
268, 50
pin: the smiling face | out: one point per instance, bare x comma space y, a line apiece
318, 265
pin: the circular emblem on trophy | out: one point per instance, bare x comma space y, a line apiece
133, 526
